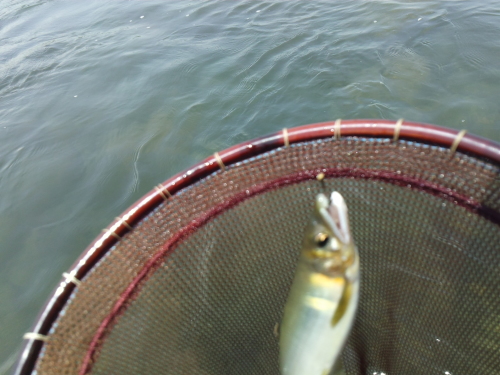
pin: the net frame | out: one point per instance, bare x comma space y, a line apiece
395, 130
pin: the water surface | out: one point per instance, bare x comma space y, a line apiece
100, 101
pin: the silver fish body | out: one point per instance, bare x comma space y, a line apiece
323, 299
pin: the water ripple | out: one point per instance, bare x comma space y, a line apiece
103, 100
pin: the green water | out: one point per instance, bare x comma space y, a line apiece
101, 101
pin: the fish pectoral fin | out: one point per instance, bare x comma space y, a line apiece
343, 303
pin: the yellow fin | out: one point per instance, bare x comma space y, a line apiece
343, 303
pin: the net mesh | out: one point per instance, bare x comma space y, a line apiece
423, 220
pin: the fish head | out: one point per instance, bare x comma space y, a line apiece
328, 245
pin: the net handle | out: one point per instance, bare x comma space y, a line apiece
410, 131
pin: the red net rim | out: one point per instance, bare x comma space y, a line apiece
411, 131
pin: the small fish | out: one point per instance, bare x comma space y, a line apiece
324, 295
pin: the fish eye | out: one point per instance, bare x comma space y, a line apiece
321, 239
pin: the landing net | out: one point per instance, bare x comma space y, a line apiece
193, 278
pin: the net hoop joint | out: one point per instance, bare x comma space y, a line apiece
457, 141
397, 130
286, 140
163, 191
111, 233
219, 161
124, 222
336, 129
35, 336
69, 277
